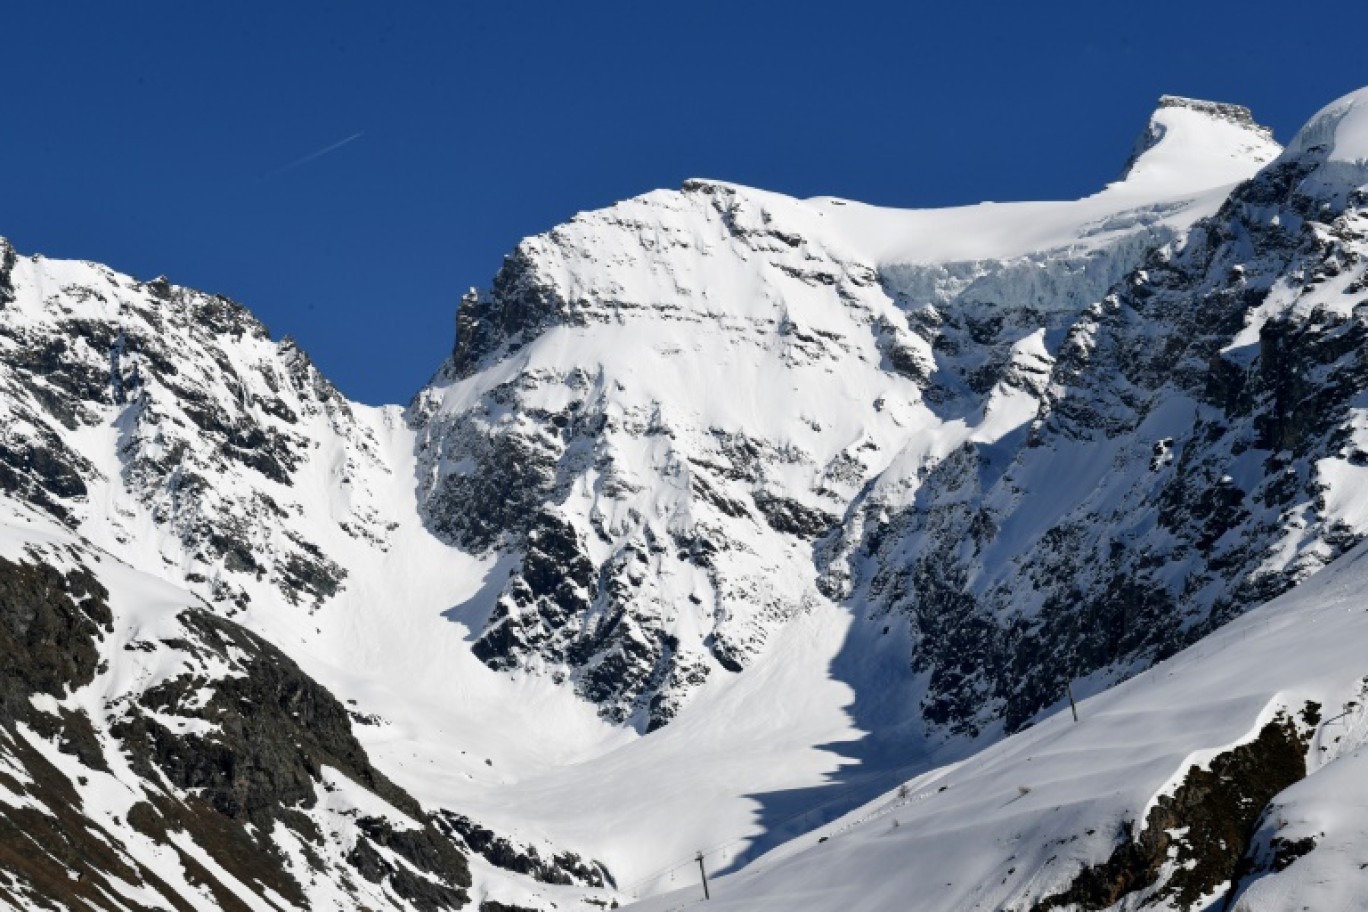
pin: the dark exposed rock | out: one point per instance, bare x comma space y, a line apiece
307, 571
555, 582
8, 257
562, 868
50, 628
1286, 851
1216, 811
427, 851
520, 305
72, 360
276, 729
45, 473
40, 850
793, 518
50, 625
511, 478
230, 846
73, 734
902, 356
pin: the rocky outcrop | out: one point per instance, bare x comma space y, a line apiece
50, 623
561, 868
228, 746
1194, 842
628, 518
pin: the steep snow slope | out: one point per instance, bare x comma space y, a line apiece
1231, 776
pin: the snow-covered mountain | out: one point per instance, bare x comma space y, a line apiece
728, 511
660, 408
1229, 776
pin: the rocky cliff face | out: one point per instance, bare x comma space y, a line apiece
657, 535
1194, 454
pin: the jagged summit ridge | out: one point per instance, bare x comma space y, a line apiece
1232, 112
922, 255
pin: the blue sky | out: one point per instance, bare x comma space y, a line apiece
347, 170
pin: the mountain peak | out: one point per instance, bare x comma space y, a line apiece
1190, 143
1339, 131
1341, 127
1334, 143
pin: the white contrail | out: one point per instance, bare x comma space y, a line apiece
316, 155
